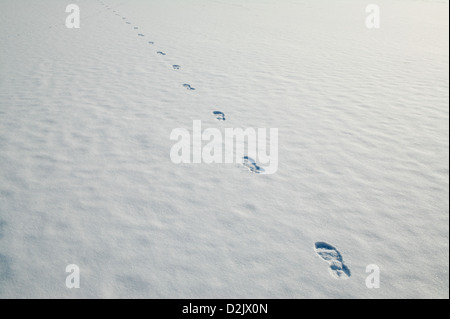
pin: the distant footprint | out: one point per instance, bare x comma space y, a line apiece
189, 87
251, 165
128, 22
160, 53
219, 115
135, 28
141, 35
151, 42
333, 257
176, 67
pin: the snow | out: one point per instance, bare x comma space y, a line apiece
85, 170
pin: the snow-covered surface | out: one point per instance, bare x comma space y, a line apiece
86, 177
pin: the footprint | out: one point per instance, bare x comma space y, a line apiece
219, 115
128, 22
333, 257
176, 67
251, 165
135, 28
151, 42
141, 35
189, 87
160, 53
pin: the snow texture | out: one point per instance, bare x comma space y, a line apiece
86, 177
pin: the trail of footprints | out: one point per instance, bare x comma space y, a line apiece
247, 162
325, 251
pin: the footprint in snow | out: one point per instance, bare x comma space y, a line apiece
333, 257
189, 87
176, 67
220, 116
251, 165
135, 28
128, 22
141, 35
151, 42
160, 53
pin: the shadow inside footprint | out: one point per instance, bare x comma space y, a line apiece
189, 87
220, 116
334, 258
160, 53
176, 67
151, 42
251, 165
141, 35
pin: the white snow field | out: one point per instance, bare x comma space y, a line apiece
86, 176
